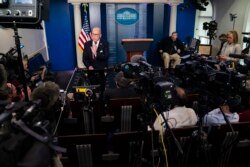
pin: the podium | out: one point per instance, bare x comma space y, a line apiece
136, 46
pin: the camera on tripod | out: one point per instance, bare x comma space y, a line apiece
150, 83
247, 41
211, 27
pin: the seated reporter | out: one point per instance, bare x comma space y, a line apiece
179, 116
215, 117
231, 46
171, 49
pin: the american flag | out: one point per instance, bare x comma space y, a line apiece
84, 35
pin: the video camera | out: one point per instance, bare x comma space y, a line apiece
211, 27
150, 82
247, 41
85, 94
25, 13
9, 57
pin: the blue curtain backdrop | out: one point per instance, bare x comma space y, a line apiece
185, 21
60, 36
116, 31
154, 24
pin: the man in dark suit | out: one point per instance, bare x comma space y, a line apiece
171, 49
96, 51
95, 58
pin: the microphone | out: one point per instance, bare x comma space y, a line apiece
48, 92
143, 61
239, 56
9, 109
30, 110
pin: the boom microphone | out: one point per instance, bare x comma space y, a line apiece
239, 56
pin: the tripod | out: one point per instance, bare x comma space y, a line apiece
200, 141
20, 61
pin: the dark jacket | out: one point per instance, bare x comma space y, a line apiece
101, 60
168, 45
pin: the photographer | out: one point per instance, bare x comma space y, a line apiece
180, 115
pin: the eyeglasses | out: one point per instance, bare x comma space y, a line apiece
95, 34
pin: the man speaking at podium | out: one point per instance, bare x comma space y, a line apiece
95, 58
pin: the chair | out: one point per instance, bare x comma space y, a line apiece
135, 148
226, 141
185, 155
124, 112
88, 115
193, 45
84, 150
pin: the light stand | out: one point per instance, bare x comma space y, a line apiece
232, 18
20, 61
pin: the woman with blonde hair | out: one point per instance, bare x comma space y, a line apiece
230, 47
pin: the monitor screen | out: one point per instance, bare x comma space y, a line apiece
23, 2
205, 50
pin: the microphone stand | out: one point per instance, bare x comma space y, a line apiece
20, 61
227, 121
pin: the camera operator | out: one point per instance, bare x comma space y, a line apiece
180, 115
123, 88
230, 47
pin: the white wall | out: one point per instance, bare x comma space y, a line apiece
223, 8
32, 39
